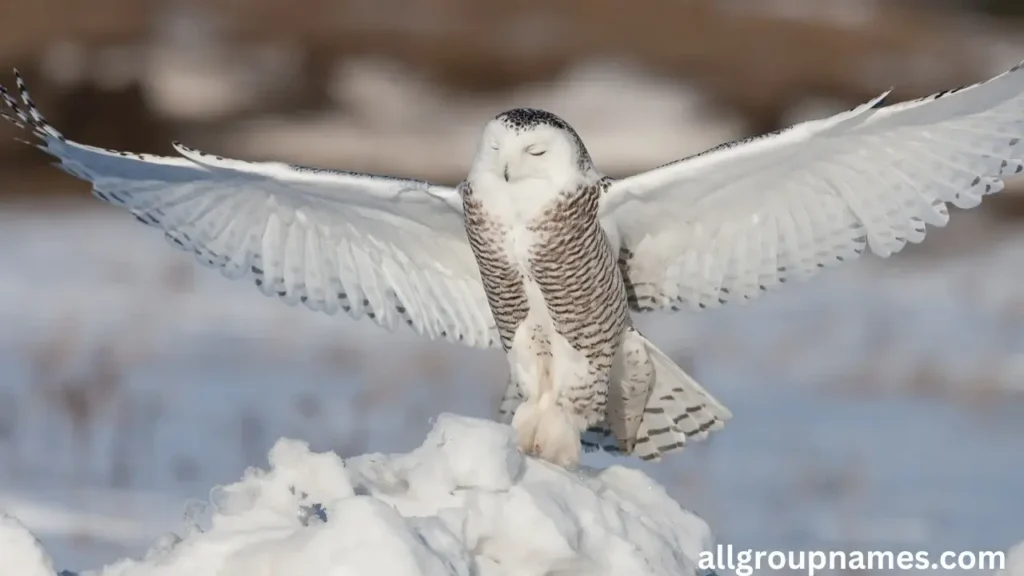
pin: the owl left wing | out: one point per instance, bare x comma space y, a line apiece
393, 250
747, 216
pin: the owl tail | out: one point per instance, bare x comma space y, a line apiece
678, 410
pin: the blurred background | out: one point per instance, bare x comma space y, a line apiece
876, 407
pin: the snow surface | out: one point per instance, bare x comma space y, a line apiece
464, 502
21, 553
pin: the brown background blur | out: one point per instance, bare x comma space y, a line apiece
99, 69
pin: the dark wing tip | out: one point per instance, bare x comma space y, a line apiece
884, 100
20, 118
29, 116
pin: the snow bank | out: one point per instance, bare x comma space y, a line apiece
20, 553
465, 502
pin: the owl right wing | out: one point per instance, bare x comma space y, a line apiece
391, 249
731, 223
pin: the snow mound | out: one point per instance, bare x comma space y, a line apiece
464, 503
20, 553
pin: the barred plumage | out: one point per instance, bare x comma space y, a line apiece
572, 264
574, 267
503, 284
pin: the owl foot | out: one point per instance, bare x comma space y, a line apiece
547, 432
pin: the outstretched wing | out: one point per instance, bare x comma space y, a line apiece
741, 218
391, 249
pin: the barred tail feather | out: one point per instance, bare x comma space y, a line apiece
600, 438
679, 410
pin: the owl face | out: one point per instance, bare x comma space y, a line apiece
524, 145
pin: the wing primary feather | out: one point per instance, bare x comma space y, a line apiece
761, 210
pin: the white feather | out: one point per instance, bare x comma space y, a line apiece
739, 219
388, 248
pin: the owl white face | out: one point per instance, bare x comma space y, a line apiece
514, 152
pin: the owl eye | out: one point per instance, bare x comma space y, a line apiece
536, 152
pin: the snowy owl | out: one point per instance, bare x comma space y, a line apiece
539, 253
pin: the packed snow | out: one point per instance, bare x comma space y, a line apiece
21, 553
464, 502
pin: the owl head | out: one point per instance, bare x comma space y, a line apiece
526, 144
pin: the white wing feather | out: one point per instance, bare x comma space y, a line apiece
739, 219
391, 249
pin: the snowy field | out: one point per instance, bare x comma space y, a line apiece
875, 407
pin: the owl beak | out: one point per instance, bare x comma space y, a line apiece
506, 172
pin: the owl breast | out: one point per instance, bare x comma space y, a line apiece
570, 311
518, 245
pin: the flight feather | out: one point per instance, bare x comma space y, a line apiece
390, 249
742, 218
